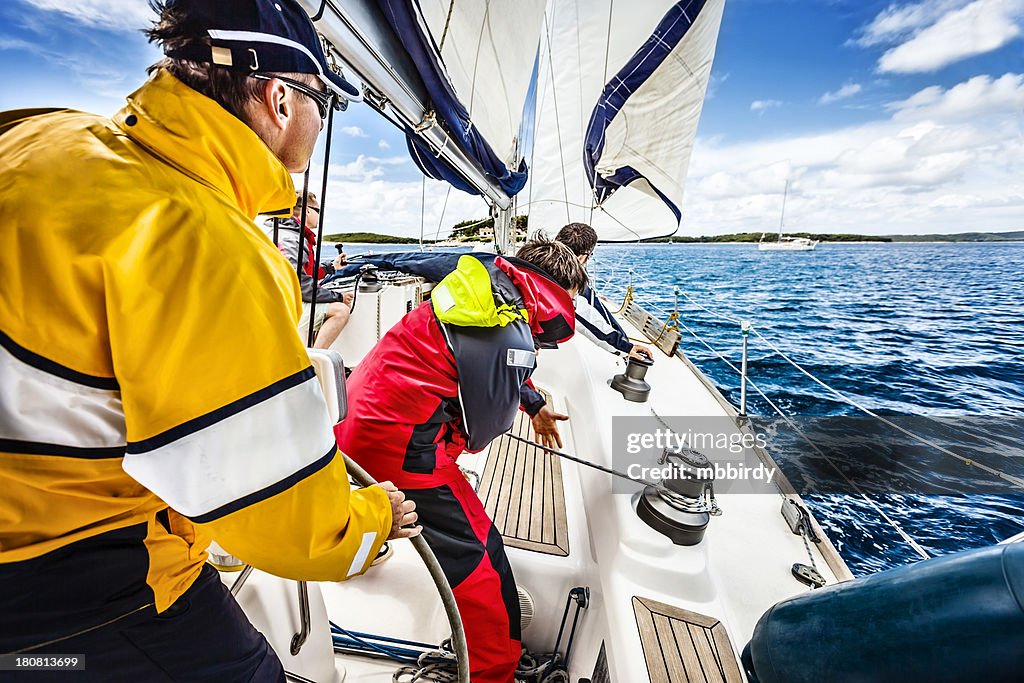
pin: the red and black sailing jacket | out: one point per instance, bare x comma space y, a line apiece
447, 377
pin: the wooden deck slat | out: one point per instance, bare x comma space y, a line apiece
521, 489
675, 666
684, 647
652, 651
526, 498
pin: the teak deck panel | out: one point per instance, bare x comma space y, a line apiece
684, 647
521, 488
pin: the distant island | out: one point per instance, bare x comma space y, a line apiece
371, 238
769, 237
1016, 236
482, 230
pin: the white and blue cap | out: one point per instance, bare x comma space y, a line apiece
260, 36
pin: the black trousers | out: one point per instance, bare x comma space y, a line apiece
203, 636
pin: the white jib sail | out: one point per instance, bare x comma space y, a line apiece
656, 86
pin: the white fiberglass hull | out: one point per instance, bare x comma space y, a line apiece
796, 245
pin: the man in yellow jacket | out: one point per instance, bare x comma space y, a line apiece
153, 393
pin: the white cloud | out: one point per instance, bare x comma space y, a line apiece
383, 145
761, 105
942, 160
365, 168
978, 96
354, 131
897, 23
932, 35
848, 90
116, 14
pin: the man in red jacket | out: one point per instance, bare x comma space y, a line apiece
447, 379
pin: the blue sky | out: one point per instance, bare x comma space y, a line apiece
886, 116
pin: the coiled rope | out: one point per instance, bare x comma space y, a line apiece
438, 666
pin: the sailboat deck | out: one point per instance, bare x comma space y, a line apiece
521, 488
684, 647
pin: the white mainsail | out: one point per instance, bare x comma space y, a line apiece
620, 91
488, 50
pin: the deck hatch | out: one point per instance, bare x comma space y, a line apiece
521, 488
684, 647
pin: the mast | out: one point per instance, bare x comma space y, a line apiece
782, 216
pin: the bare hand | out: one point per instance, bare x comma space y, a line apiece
346, 298
641, 352
340, 261
403, 513
545, 426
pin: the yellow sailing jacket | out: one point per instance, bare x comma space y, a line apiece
153, 392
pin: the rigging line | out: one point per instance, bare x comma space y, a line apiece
899, 529
476, 63
849, 401
695, 302
302, 229
447, 21
604, 82
558, 121
608, 40
320, 224
967, 461
440, 220
423, 207
607, 213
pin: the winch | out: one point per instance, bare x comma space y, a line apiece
631, 384
682, 505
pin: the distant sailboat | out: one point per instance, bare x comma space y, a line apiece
786, 243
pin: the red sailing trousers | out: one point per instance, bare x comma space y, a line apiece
472, 555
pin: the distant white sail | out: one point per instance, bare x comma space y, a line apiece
620, 91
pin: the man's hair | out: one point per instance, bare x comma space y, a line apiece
579, 237
231, 89
310, 199
557, 260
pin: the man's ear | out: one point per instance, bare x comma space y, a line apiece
276, 104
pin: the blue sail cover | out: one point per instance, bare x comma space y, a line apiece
435, 167
645, 62
405, 18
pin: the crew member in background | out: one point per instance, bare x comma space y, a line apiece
447, 379
332, 309
167, 401
594, 320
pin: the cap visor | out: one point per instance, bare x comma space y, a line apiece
341, 87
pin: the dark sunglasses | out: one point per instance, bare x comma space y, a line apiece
324, 100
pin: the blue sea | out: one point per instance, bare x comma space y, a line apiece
932, 329
924, 329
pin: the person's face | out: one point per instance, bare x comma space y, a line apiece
312, 214
299, 123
